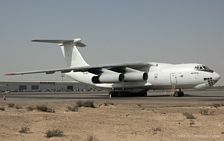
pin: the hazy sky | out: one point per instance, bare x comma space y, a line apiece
171, 31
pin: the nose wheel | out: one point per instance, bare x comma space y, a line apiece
178, 93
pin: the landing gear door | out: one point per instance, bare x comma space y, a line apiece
173, 78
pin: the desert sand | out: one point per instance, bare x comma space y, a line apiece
129, 121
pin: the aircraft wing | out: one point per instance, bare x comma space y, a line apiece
93, 69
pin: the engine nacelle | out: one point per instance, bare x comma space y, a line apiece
108, 78
135, 76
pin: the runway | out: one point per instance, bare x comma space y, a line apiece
153, 96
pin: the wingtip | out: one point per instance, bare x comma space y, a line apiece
8, 74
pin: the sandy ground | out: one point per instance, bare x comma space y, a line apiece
118, 122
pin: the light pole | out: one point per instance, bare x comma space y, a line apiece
62, 75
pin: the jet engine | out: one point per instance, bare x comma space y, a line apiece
135, 76
108, 78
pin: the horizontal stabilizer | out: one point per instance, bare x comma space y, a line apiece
76, 41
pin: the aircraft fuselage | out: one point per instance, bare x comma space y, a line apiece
160, 76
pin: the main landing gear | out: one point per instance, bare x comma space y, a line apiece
127, 94
178, 93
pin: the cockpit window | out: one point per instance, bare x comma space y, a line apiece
203, 68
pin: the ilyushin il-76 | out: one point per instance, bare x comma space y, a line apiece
130, 79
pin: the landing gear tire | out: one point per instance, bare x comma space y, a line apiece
113, 94
143, 94
178, 94
127, 94
120, 94
175, 94
181, 94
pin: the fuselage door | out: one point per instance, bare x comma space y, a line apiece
173, 78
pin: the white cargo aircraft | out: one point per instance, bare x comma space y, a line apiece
130, 79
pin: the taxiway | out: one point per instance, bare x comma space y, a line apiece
153, 96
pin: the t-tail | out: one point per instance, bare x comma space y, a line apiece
70, 52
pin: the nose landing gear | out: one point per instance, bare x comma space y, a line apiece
178, 93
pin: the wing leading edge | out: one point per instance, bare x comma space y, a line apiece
134, 65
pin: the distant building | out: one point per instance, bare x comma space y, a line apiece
41, 86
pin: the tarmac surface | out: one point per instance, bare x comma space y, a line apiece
152, 97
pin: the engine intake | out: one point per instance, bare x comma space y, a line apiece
108, 78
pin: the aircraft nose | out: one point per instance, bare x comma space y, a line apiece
216, 76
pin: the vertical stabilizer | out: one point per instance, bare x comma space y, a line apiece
70, 52
72, 55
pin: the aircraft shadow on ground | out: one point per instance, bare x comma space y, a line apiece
186, 95
158, 95
98, 96
191, 95
54, 98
